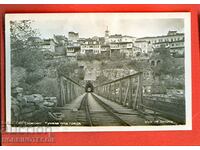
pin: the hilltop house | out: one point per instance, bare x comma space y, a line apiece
48, 45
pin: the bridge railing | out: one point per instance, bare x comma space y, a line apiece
126, 90
168, 107
69, 89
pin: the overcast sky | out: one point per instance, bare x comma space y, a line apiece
94, 24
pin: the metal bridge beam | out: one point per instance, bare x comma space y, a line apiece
116, 91
69, 90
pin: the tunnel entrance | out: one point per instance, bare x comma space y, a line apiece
89, 87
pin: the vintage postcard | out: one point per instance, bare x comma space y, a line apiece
98, 71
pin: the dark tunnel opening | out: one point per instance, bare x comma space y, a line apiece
89, 87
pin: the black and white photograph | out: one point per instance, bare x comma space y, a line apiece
98, 71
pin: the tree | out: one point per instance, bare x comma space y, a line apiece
20, 31
67, 68
23, 55
165, 69
164, 62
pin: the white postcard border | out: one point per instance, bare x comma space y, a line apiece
188, 84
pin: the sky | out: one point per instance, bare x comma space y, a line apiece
95, 24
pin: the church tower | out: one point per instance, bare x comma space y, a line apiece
107, 36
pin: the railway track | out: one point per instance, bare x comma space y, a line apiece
84, 112
104, 115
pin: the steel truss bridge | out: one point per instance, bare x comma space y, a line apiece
119, 102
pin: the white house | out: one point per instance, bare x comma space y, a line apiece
48, 45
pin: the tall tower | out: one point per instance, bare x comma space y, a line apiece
107, 35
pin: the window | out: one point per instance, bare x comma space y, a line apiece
152, 63
158, 62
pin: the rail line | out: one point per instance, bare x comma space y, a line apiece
111, 111
85, 107
87, 111
96, 118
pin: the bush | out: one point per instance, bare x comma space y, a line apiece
116, 56
158, 89
48, 87
28, 59
18, 75
35, 76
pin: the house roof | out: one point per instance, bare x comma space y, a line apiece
115, 36
162, 36
47, 41
91, 42
105, 45
71, 32
121, 42
176, 47
179, 41
140, 41
171, 32
128, 36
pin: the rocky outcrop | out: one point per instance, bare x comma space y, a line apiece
50, 101
32, 107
